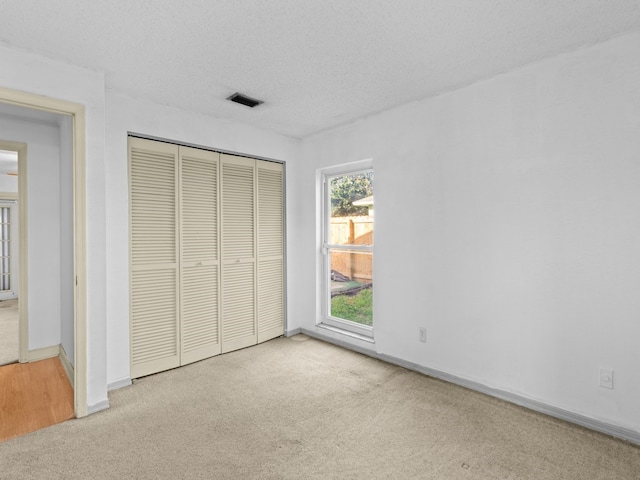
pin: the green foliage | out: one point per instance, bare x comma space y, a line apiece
357, 308
346, 189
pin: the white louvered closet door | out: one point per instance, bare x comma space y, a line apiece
238, 253
154, 257
200, 261
270, 223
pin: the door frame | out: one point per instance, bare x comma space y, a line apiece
77, 113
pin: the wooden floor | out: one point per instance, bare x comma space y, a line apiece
33, 396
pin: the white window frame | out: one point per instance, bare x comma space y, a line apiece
364, 332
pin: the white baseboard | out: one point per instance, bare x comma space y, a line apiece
97, 407
43, 353
617, 431
123, 382
291, 333
68, 368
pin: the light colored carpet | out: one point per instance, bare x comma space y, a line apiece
298, 408
8, 331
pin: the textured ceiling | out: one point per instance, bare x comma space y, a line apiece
315, 63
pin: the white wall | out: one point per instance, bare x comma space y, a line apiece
124, 115
507, 224
8, 183
39, 75
43, 191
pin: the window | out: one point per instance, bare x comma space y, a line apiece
6, 272
347, 251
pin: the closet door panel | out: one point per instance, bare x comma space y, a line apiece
154, 302
199, 254
270, 246
238, 253
238, 208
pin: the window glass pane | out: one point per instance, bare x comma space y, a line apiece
5, 283
351, 218
352, 286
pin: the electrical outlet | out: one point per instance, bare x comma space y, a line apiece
422, 335
606, 378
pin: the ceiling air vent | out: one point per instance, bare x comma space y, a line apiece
244, 100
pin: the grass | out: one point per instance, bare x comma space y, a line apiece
357, 308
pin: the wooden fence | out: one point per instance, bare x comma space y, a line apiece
352, 231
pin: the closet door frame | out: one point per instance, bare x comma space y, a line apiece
221, 261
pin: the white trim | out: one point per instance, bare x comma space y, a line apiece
123, 382
601, 426
97, 407
221, 151
66, 363
355, 331
43, 353
346, 168
291, 333
340, 342
353, 248
285, 300
8, 195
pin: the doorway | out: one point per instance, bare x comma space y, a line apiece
74, 115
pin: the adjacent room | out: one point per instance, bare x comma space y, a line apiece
323, 239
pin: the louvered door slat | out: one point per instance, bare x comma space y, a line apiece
270, 211
270, 221
154, 256
237, 207
200, 329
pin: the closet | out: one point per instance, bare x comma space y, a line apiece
206, 254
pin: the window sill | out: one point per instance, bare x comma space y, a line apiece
348, 333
